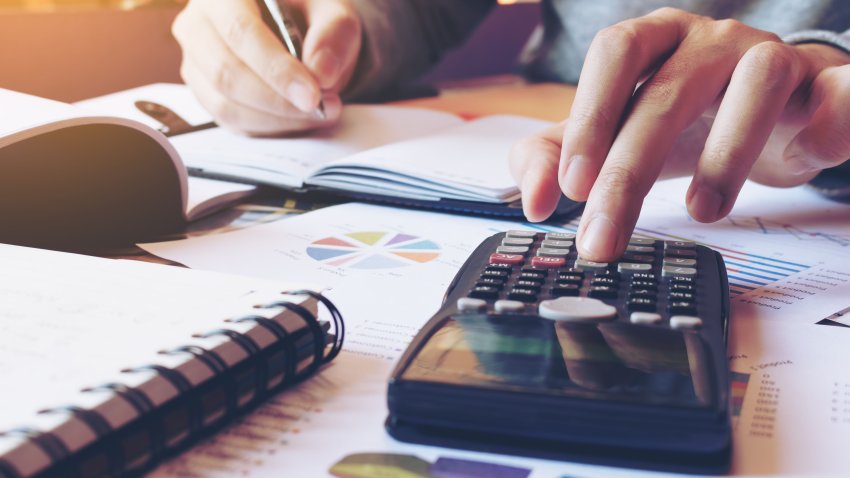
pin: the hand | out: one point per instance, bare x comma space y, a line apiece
247, 79
673, 93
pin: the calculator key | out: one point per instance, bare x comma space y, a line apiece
512, 250
553, 252
531, 277
639, 258
535, 270
576, 309
644, 284
560, 236
679, 296
667, 271
495, 274
682, 307
644, 293
484, 292
680, 261
681, 287
680, 253
550, 262
603, 292
512, 259
522, 234
640, 249
640, 241
566, 289
557, 244
490, 282
499, 267
584, 264
609, 281
508, 306
517, 241
570, 278
525, 295
527, 284
641, 304
679, 245
685, 322
683, 280
630, 267
645, 276
469, 304
646, 318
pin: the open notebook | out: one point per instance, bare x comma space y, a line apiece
401, 155
71, 177
108, 366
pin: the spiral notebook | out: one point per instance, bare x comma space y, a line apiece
109, 366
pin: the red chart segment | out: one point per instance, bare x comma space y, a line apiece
374, 250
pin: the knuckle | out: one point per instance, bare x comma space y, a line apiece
771, 62
237, 29
597, 118
727, 28
726, 160
661, 95
222, 79
670, 12
622, 40
620, 181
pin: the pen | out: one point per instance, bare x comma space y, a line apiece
287, 31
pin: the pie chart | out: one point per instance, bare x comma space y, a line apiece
373, 250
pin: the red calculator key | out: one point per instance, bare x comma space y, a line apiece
548, 262
512, 259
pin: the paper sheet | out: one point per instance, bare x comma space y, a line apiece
788, 271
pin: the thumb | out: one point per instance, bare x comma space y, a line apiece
825, 141
333, 40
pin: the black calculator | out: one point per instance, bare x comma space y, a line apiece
539, 352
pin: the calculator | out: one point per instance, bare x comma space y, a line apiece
536, 351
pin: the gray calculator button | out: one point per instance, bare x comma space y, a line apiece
517, 241
640, 241
523, 234
554, 243
576, 309
511, 250
552, 252
679, 261
670, 271
627, 267
645, 318
584, 264
685, 322
508, 306
679, 245
469, 304
560, 236
642, 249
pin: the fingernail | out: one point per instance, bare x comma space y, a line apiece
301, 96
600, 238
573, 181
706, 203
325, 65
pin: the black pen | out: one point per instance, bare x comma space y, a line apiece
287, 31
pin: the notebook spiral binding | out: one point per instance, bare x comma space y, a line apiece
160, 431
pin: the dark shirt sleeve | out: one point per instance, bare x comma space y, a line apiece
402, 39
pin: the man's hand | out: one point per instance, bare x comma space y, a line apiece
247, 79
673, 93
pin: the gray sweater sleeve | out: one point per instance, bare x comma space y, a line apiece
403, 38
837, 40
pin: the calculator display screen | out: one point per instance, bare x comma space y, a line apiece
608, 361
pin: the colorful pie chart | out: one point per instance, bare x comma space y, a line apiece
373, 250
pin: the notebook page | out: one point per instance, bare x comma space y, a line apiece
22, 111
70, 321
287, 161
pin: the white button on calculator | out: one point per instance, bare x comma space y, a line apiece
576, 309
508, 306
469, 304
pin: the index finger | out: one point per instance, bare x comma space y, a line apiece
239, 24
